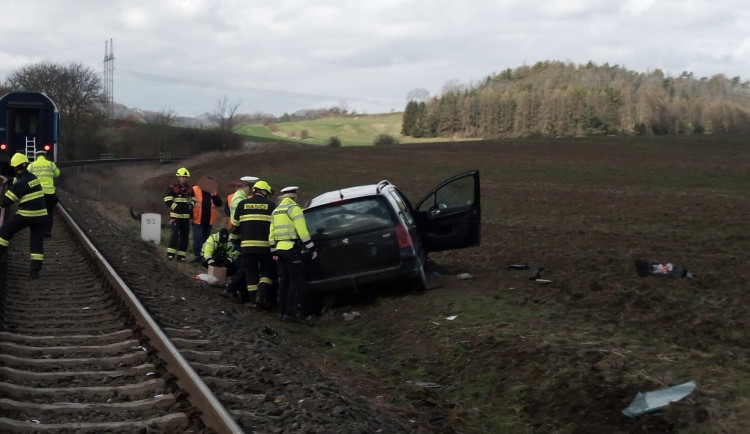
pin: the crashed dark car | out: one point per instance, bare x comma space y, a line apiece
371, 234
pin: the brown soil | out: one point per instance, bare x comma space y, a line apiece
525, 356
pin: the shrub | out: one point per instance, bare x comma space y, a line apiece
304, 134
385, 139
334, 142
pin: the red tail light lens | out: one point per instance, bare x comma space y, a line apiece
402, 236
3, 147
47, 148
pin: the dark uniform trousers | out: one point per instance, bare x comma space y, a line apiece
291, 282
37, 227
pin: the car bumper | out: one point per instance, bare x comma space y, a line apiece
406, 270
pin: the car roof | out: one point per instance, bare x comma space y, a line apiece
348, 193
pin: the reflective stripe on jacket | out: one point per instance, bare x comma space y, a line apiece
253, 217
215, 249
180, 200
27, 192
46, 171
287, 226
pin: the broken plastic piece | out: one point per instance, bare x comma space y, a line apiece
518, 266
650, 401
464, 276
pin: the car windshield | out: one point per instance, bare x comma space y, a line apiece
349, 217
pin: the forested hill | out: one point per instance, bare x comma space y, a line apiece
561, 99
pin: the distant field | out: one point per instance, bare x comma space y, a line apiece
352, 131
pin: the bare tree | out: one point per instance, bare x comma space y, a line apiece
167, 118
162, 121
223, 114
419, 95
75, 89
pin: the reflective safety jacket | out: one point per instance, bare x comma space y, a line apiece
180, 200
214, 202
252, 220
288, 225
46, 171
27, 192
233, 200
216, 250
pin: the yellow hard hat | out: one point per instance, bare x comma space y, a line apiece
263, 185
18, 159
183, 172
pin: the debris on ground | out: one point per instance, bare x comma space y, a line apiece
349, 316
647, 268
464, 276
650, 401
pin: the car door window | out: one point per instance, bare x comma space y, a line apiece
458, 193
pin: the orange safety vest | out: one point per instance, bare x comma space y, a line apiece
229, 200
198, 208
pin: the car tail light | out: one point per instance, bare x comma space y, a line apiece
47, 148
3, 147
402, 236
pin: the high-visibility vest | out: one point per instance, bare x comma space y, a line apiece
46, 171
198, 208
287, 226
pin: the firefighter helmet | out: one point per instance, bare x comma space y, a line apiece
183, 172
262, 185
18, 159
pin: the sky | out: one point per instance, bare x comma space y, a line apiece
367, 56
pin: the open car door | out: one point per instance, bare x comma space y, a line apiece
450, 216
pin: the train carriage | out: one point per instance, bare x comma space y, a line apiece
28, 122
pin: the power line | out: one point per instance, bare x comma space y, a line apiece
243, 89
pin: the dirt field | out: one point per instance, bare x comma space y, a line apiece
519, 355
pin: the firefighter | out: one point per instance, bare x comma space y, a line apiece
237, 285
46, 171
251, 221
218, 251
27, 192
205, 213
290, 242
180, 199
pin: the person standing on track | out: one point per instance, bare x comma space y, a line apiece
26, 191
251, 220
290, 241
180, 199
46, 171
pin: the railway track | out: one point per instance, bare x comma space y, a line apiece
78, 352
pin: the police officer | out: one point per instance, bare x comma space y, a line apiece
46, 171
251, 220
288, 237
27, 192
218, 251
180, 199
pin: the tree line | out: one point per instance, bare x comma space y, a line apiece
551, 99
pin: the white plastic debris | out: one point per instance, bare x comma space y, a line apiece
451, 318
348, 316
650, 401
206, 278
464, 276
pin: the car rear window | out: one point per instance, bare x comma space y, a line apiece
349, 217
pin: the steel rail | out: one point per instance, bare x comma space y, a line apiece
214, 415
